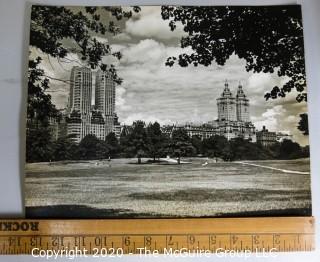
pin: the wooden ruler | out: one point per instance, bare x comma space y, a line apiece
144, 236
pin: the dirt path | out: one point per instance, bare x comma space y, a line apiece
274, 168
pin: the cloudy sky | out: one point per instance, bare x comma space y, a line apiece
152, 91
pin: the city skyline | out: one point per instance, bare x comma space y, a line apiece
153, 92
82, 118
231, 107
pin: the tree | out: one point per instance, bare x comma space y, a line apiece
51, 26
112, 144
90, 147
38, 144
74, 152
155, 140
63, 149
39, 111
197, 144
303, 124
273, 150
39, 108
305, 151
216, 146
124, 142
290, 150
181, 144
270, 39
136, 142
243, 149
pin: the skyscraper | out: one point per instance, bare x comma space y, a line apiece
80, 90
105, 97
83, 118
105, 93
233, 115
242, 104
226, 105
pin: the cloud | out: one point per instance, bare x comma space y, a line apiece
170, 94
122, 37
152, 91
283, 118
261, 83
120, 101
147, 119
148, 23
273, 112
147, 51
270, 118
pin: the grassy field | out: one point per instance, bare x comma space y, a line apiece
121, 188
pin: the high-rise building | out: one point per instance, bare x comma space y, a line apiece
74, 126
242, 105
116, 126
97, 125
226, 105
233, 115
80, 90
105, 94
105, 97
82, 117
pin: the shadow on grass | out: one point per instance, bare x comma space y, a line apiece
82, 211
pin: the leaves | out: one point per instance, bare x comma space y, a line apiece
303, 124
57, 31
135, 143
270, 39
180, 143
157, 141
40, 108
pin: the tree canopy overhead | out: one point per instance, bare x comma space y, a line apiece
57, 31
270, 39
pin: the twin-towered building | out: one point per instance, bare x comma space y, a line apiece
233, 119
234, 115
81, 117
232, 108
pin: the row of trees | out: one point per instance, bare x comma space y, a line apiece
149, 141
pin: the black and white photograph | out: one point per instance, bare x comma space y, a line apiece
166, 112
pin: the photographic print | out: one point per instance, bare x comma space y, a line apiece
166, 111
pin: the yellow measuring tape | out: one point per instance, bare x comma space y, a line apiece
153, 236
